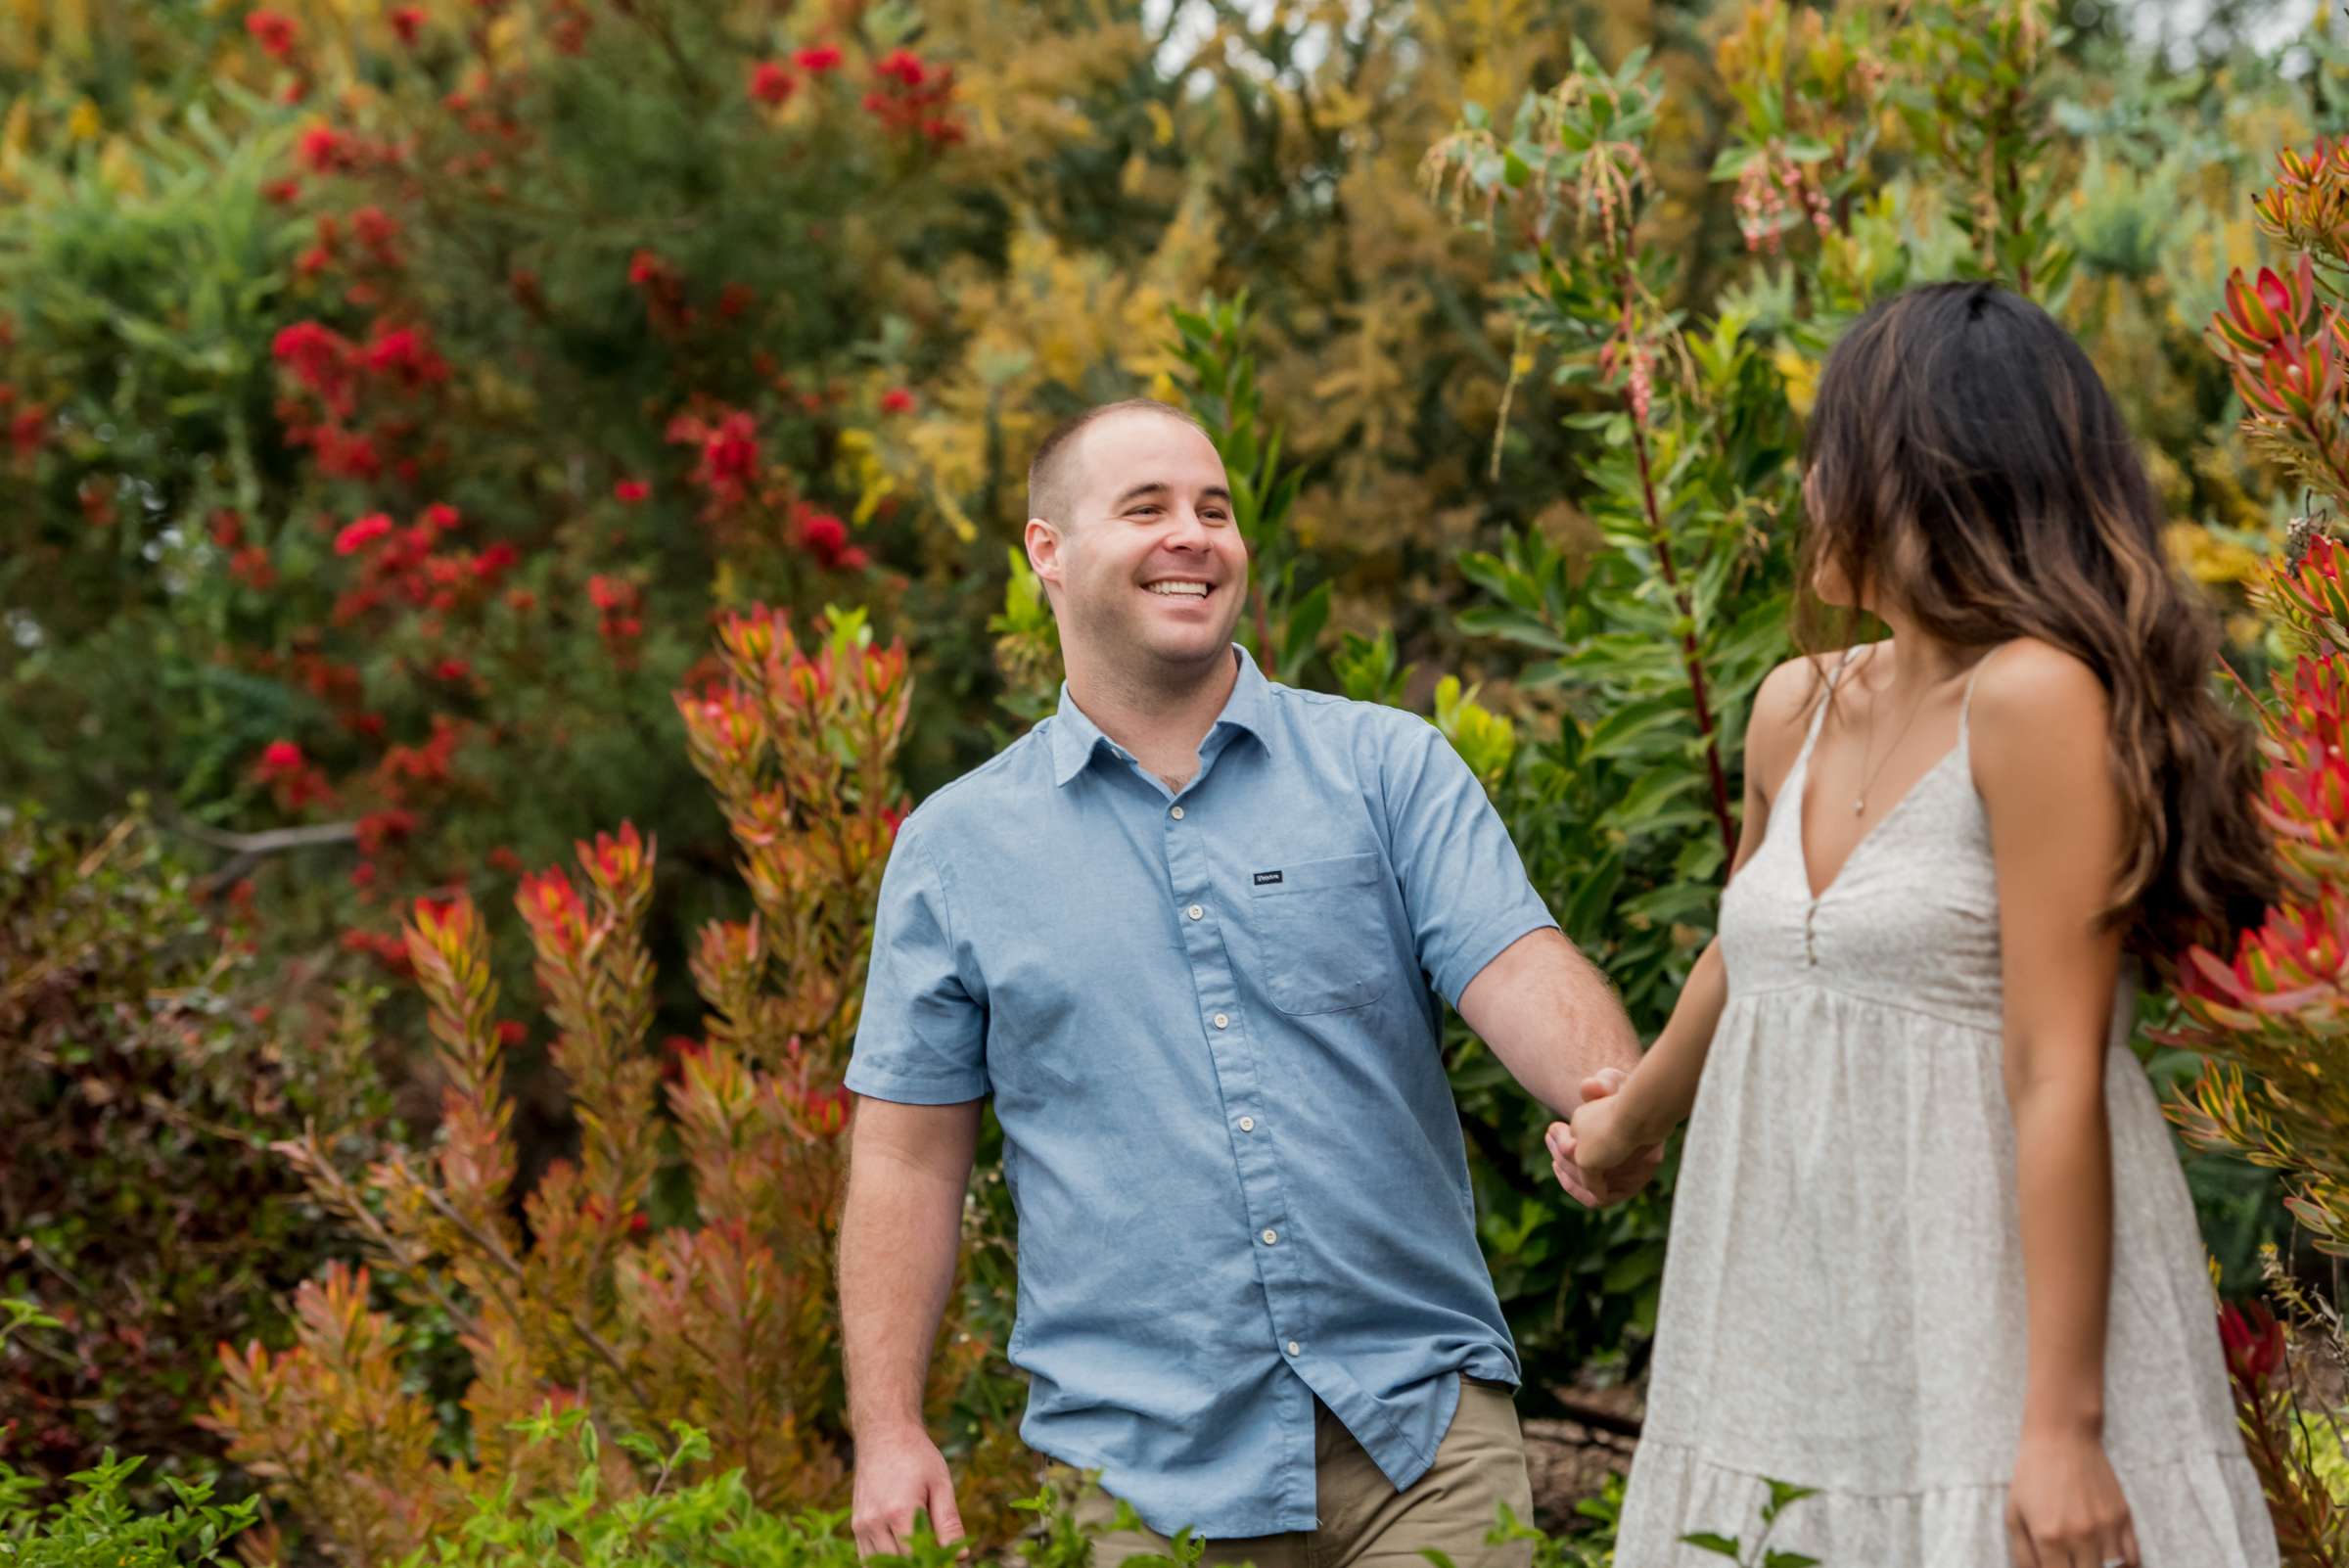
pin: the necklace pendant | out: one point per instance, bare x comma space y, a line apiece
1858, 806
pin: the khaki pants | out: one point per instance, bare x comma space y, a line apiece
1365, 1523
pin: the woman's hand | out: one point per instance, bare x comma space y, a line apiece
1595, 1141
2064, 1508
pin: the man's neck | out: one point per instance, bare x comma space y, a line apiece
1162, 722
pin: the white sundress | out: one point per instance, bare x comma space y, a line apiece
1843, 1298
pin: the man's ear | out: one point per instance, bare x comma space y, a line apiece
1043, 540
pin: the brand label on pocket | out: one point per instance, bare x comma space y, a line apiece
1266, 879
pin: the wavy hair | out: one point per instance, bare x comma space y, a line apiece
1970, 467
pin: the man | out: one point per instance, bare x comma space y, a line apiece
1184, 931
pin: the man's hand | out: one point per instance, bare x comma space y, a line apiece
898, 1472
1612, 1173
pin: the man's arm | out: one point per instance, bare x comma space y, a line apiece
901, 1231
1550, 1017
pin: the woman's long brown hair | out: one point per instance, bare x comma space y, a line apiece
1970, 467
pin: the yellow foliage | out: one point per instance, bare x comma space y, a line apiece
2206, 558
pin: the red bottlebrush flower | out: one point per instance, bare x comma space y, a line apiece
402, 353
252, 567
440, 517
324, 150
817, 59
379, 828
731, 453
376, 230
495, 560
770, 83
903, 64
646, 266
452, 669
503, 858
407, 21
609, 593
273, 30
897, 400
511, 1033
280, 757
362, 875
853, 559
227, 528
29, 430
824, 537
282, 192
629, 491
735, 299
365, 531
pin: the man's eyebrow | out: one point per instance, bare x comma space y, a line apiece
1160, 487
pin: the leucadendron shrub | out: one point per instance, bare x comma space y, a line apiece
703, 1296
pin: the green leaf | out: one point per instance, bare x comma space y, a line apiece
1719, 1546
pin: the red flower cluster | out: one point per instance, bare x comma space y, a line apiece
897, 400
826, 538
913, 98
386, 948
728, 467
772, 84
409, 570
407, 21
293, 781
334, 371
620, 611
817, 59
273, 30
663, 292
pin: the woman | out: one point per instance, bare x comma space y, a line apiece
1931, 1251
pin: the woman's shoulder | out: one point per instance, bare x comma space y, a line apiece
1787, 693
1781, 709
2029, 685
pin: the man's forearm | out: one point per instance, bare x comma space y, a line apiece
1550, 1017
901, 1231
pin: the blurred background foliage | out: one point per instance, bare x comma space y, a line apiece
398, 394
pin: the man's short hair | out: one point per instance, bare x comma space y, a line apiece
1049, 477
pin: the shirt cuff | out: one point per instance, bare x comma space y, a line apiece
1491, 945
907, 1088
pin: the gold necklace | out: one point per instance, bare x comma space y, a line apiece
1860, 800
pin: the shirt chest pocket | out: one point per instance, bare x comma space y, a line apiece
1321, 934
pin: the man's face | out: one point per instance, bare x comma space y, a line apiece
1148, 561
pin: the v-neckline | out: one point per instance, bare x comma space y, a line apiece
1802, 812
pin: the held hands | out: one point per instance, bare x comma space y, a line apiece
1593, 1156
899, 1472
2064, 1508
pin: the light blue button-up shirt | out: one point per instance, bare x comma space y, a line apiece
1208, 1024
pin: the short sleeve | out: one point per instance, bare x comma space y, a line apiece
1464, 887
921, 1038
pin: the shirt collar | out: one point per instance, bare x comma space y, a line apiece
1075, 737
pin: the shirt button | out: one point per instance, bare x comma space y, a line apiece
1196, 912
1222, 1020
1176, 812
1296, 1348
1272, 1236
1247, 1124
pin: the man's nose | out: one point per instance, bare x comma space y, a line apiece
1191, 531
